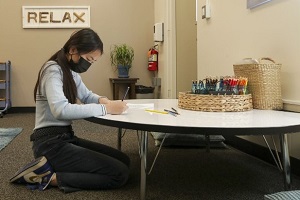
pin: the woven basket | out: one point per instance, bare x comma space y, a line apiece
214, 103
263, 83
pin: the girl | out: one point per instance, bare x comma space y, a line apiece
62, 159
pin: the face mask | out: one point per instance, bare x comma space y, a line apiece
81, 66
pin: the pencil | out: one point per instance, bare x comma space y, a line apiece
175, 111
125, 93
156, 111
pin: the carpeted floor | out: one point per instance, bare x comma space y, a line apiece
179, 174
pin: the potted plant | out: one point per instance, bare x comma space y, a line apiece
121, 56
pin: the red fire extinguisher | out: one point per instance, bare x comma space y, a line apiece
153, 59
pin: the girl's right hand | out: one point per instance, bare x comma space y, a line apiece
116, 107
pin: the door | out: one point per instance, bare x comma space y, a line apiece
186, 44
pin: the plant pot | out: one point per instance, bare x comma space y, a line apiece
123, 71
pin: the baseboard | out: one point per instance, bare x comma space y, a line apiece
21, 110
260, 152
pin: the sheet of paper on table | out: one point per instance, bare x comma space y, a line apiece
140, 106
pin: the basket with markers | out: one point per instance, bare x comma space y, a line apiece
227, 94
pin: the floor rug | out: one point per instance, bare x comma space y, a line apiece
7, 135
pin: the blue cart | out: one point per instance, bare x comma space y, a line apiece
5, 89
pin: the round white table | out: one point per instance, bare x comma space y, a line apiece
254, 122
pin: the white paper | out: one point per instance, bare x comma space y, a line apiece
140, 106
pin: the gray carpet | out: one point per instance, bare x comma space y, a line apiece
180, 173
7, 135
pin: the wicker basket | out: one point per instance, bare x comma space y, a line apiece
263, 83
214, 103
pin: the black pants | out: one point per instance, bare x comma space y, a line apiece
82, 164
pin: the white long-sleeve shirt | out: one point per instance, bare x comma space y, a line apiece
52, 106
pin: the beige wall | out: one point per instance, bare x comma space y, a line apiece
234, 33
129, 21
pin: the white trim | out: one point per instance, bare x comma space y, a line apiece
292, 102
56, 16
171, 49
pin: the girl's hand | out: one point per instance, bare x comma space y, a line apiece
116, 107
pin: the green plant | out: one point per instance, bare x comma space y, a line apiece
121, 55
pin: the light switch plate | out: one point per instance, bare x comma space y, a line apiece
206, 11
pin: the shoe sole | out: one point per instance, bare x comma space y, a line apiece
37, 163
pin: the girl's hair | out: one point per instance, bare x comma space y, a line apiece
85, 41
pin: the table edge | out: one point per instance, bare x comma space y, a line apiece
197, 130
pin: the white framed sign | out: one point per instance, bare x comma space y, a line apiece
254, 3
56, 16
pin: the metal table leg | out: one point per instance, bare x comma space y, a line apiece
119, 138
144, 151
286, 161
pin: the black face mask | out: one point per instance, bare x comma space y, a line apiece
80, 67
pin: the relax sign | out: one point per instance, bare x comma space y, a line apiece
56, 16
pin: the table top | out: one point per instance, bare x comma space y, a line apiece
254, 122
123, 80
